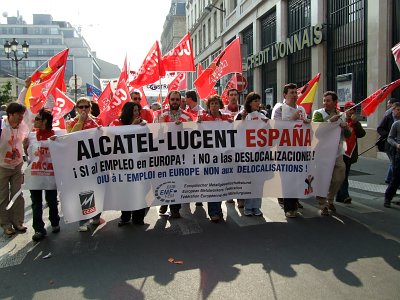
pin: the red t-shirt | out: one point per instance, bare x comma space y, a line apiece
89, 123
220, 117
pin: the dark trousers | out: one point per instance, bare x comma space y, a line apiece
395, 182
137, 216
173, 207
289, 204
343, 192
37, 208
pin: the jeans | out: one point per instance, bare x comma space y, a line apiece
214, 209
389, 174
395, 182
37, 209
137, 216
251, 203
343, 191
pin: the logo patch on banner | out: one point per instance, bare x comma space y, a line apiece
165, 192
88, 204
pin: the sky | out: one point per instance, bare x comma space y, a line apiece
112, 28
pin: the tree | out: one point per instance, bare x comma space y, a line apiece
5, 93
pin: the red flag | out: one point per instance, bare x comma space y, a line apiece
179, 83
124, 72
181, 57
199, 70
228, 61
224, 96
40, 92
306, 94
105, 97
396, 54
112, 111
151, 69
62, 105
370, 103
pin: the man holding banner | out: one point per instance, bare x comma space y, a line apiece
177, 115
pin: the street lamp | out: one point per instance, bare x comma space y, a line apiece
8, 47
211, 6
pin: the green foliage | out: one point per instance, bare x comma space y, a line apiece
5, 93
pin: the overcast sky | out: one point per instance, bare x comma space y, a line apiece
111, 28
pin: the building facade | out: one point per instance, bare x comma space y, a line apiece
46, 38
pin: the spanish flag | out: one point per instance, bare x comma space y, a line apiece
307, 94
53, 64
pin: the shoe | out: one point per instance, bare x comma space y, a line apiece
122, 223
38, 236
291, 214
240, 203
299, 205
83, 228
9, 231
257, 212
280, 202
347, 200
248, 212
175, 215
332, 207
163, 209
387, 204
55, 229
215, 218
325, 211
96, 222
20, 228
199, 203
230, 201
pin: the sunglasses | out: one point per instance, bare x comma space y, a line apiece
135, 98
83, 106
38, 118
174, 99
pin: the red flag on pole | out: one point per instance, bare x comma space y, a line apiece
112, 111
62, 105
306, 94
181, 57
179, 83
105, 97
40, 92
199, 70
396, 54
370, 103
151, 69
228, 61
143, 100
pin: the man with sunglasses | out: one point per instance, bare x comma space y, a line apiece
84, 120
177, 115
145, 113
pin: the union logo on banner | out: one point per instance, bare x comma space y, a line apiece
88, 204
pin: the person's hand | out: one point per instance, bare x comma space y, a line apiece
334, 118
265, 120
296, 115
137, 121
306, 121
354, 118
344, 125
53, 138
144, 122
230, 120
28, 81
179, 122
398, 147
83, 116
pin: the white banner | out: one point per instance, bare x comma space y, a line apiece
131, 167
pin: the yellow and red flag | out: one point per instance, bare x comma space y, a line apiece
306, 94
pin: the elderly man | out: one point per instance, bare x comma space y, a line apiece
177, 115
329, 113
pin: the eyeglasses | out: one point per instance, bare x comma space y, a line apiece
37, 118
174, 99
83, 106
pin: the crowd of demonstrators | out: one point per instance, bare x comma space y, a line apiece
130, 115
174, 114
350, 155
391, 115
288, 110
329, 113
214, 105
36, 146
13, 132
84, 120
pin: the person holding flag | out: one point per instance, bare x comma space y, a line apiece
350, 155
177, 115
84, 120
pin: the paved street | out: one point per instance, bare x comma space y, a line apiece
354, 254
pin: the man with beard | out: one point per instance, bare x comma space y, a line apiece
177, 115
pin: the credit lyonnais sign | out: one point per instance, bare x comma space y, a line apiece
308, 37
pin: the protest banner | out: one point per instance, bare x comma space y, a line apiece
131, 167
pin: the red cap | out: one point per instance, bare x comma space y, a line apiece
349, 104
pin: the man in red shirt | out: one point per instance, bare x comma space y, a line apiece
177, 115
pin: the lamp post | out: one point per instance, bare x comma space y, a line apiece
211, 6
8, 47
